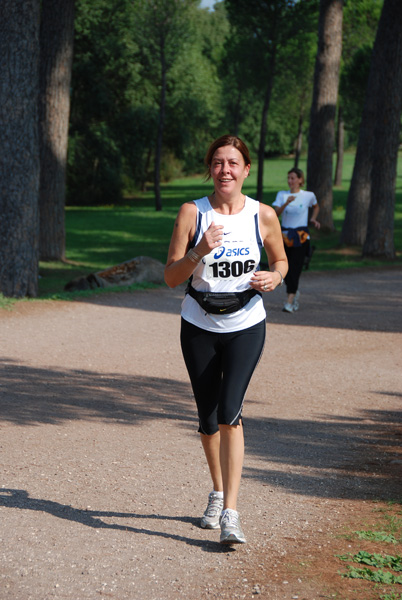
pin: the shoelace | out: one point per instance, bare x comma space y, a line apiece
214, 506
231, 519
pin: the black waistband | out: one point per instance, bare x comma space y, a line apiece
221, 302
246, 295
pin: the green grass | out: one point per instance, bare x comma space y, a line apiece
100, 237
375, 563
7, 303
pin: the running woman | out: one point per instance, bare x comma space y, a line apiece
293, 207
216, 243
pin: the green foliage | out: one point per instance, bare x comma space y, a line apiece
163, 30
353, 84
116, 91
377, 536
6, 302
96, 162
218, 65
380, 568
360, 23
103, 236
214, 29
375, 560
193, 103
291, 96
270, 41
385, 577
105, 129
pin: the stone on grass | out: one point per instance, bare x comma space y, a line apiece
137, 270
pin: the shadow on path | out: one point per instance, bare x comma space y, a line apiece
360, 300
357, 299
30, 395
334, 457
328, 456
20, 499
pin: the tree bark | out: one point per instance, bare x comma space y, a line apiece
299, 139
19, 149
56, 56
355, 224
380, 229
323, 108
340, 142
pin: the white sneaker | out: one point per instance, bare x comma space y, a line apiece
210, 518
231, 532
287, 307
296, 301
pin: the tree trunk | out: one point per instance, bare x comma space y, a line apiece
380, 229
237, 113
263, 129
159, 138
146, 170
323, 108
19, 149
56, 55
340, 142
355, 224
299, 139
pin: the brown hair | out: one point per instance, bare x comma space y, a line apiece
226, 140
298, 172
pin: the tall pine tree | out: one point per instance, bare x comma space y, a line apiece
387, 55
323, 108
19, 149
56, 55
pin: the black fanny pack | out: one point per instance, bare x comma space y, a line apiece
221, 303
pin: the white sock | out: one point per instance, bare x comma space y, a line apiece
229, 510
219, 494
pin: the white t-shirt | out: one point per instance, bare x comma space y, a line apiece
296, 213
228, 268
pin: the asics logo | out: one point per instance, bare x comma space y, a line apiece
231, 252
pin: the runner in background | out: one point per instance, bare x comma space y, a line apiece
293, 206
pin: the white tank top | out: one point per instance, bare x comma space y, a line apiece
228, 268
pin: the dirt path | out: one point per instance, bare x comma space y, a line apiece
102, 474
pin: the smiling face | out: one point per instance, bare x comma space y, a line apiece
228, 170
294, 182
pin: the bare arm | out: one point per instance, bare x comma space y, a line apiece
181, 262
273, 244
279, 209
314, 215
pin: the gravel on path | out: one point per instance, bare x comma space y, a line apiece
103, 479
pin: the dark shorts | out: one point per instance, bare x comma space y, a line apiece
220, 366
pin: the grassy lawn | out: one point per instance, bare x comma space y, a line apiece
100, 237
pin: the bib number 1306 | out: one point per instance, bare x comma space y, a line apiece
225, 269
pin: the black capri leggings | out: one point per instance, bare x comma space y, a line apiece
220, 366
295, 256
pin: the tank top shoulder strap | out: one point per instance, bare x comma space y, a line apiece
252, 206
253, 209
203, 206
